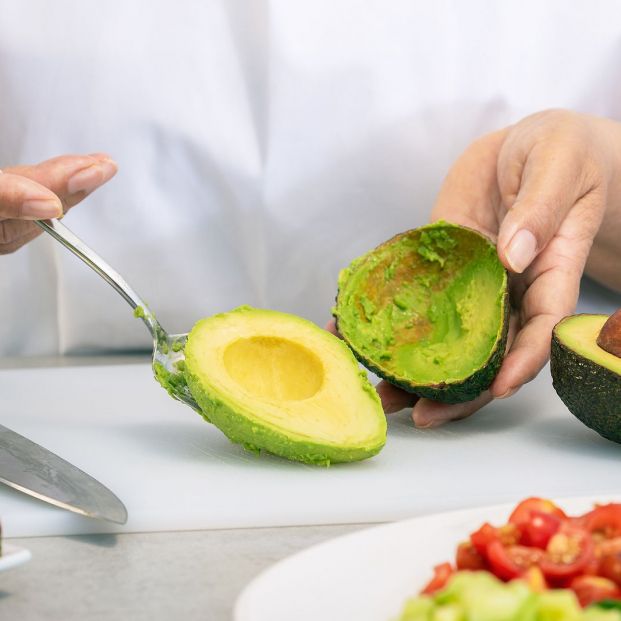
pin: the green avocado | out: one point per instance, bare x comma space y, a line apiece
586, 377
428, 310
276, 382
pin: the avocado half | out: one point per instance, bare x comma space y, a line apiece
277, 382
586, 377
428, 310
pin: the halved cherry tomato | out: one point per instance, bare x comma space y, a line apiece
592, 567
509, 562
487, 534
609, 567
467, 557
538, 530
567, 554
441, 575
481, 538
591, 589
603, 547
604, 521
524, 509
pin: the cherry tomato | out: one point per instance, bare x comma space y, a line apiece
482, 538
604, 521
509, 562
603, 547
467, 557
591, 589
610, 567
592, 567
567, 554
538, 530
441, 575
524, 509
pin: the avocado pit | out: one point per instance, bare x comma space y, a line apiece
609, 338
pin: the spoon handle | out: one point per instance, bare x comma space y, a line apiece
62, 234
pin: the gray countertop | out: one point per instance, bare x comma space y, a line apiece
154, 576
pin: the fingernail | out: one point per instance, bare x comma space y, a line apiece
102, 157
507, 393
521, 251
427, 424
41, 209
87, 179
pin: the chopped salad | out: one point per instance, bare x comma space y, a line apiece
541, 557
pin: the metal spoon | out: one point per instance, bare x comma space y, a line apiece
168, 354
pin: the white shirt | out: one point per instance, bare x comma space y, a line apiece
262, 145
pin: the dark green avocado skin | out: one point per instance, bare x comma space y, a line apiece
455, 392
591, 392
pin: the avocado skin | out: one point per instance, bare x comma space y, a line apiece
591, 392
455, 392
251, 437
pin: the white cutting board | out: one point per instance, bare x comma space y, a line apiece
174, 471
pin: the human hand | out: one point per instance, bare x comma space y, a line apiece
540, 189
46, 190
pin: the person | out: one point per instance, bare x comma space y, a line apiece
46, 190
262, 148
547, 189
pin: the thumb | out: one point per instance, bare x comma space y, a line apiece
24, 199
549, 185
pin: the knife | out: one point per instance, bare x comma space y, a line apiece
34, 470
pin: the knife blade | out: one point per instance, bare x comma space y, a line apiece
32, 469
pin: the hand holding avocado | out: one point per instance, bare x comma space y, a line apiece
548, 189
46, 190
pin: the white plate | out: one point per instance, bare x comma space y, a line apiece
12, 556
368, 575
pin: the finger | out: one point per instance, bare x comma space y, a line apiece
470, 194
427, 413
539, 192
531, 348
394, 399
513, 331
331, 327
553, 286
25, 199
15, 233
70, 177
527, 357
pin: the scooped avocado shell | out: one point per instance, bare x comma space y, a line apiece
428, 311
277, 382
586, 377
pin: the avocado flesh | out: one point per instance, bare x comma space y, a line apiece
428, 311
276, 382
585, 377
